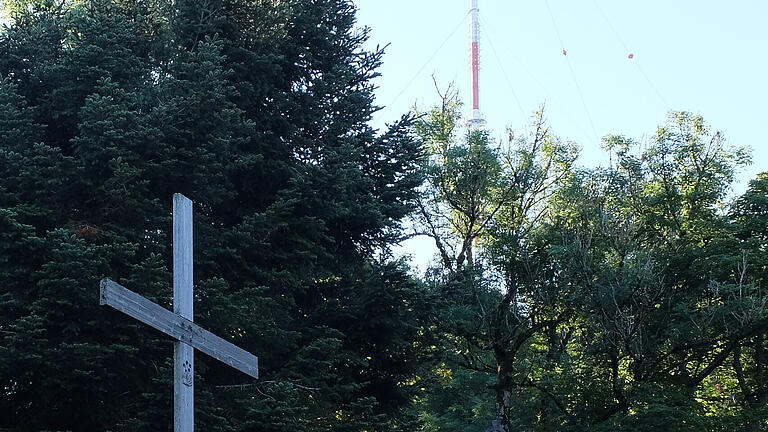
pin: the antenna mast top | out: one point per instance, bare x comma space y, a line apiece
476, 121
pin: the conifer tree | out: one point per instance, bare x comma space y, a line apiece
256, 110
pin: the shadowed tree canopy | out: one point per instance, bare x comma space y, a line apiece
630, 297
256, 110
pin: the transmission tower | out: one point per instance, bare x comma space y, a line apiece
476, 120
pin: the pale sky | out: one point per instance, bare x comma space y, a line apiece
708, 57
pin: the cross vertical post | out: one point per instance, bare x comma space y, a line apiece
183, 354
179, 324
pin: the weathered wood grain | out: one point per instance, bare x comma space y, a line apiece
177, 327
182, 256
183, 301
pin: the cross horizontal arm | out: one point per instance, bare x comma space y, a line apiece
177, 327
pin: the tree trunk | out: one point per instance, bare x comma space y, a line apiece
503, 397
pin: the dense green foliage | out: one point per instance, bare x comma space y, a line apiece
257, 111
631, 297
623, 298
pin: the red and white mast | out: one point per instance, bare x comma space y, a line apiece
476, 121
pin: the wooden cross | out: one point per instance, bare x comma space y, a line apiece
178, 324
